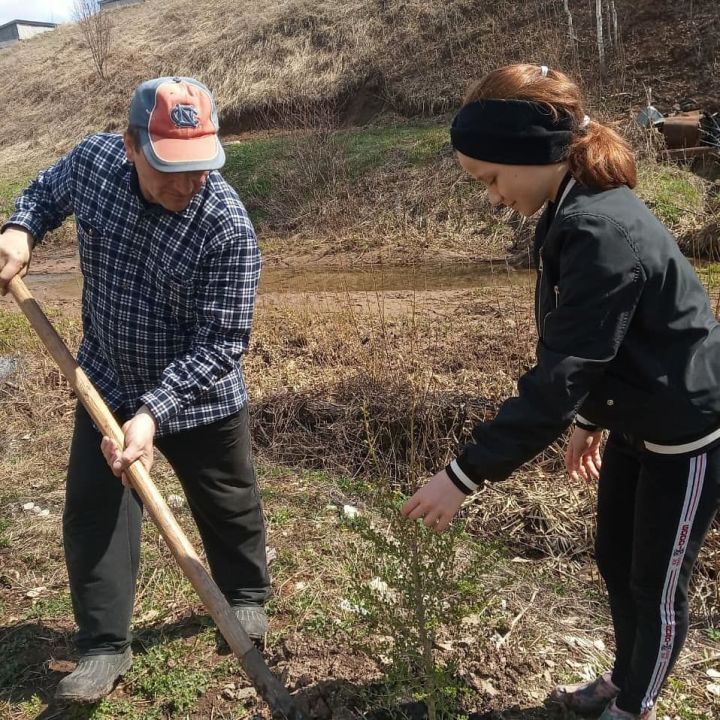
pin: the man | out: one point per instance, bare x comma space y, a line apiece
170, 266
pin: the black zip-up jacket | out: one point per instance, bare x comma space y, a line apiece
627, 340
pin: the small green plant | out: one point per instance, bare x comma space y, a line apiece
165, 675
9, 190
111, 709
53, 607
4, 534
32, 707
413, 593
280, 517
13, 648
15, 333
673, 195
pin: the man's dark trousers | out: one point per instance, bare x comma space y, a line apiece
102, 524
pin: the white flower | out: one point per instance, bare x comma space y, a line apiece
380, 587
347, 606
175, 501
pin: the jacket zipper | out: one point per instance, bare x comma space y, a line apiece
541, 323
539, 294
556, 290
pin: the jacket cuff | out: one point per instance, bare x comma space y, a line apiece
460, 478
585, 424
162, 404
27, 222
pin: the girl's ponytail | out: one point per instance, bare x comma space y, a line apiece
598, 156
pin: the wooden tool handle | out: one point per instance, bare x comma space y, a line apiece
264, 681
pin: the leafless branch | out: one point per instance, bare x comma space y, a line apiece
96, 29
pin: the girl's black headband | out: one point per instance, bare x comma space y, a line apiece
512, 132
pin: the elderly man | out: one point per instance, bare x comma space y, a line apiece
170, 266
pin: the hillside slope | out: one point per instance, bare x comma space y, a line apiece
292, 61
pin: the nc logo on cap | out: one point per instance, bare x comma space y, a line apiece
185, 116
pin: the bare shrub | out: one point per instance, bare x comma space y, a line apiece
309, 172
96, 30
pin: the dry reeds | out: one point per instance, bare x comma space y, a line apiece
371, 389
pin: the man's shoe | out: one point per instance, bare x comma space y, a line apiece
589, 698
253, 620
614, 713
93, 678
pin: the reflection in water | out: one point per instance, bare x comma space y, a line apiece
65, 286
323, 279
418, 277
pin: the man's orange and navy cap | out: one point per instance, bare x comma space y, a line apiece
178, 125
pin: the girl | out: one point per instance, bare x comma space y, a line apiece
627, 342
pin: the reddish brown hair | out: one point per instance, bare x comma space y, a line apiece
598, 156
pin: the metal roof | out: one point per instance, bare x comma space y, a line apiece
34, 23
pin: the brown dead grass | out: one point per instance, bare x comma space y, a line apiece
410, 379
329, 378
267, 61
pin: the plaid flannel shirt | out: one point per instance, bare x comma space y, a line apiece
168, 298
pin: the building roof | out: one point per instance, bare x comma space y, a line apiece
34, 23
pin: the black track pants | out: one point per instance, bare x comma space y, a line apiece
653, 514
102, 523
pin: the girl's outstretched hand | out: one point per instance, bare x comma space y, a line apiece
436, 502
582, 455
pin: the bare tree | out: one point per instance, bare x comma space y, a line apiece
613, 14
571, 29
96, 28
600, 41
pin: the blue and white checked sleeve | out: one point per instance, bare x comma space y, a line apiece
225, 303
47, 201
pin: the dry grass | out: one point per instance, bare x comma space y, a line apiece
394, 193
407, 378
397, 195
271, 61
405, 373
413, 384
335, 374
410, 377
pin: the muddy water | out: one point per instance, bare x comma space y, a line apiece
68, 286
61, 286
419, 277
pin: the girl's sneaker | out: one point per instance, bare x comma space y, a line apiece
613, 713
587, 698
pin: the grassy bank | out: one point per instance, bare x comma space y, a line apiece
350, 391
396, 195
